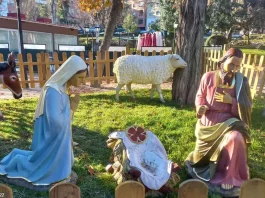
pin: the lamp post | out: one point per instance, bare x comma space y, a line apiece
174, 42
21, 44
97, 30
86, 30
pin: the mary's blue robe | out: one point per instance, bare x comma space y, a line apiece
51, 156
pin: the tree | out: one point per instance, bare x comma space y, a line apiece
44, 11
115, 13
53, 11
62, 10
221, 16
155, 25
30, 9
114, 16
169, 15
251, 16
191, 22
130, 23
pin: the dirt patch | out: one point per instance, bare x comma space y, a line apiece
35, 92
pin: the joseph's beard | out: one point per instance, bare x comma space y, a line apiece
227, 78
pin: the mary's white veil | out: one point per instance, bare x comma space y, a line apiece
58, 80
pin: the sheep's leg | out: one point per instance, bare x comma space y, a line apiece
160, 93
118, 88
152, 91
1, 116
129, 88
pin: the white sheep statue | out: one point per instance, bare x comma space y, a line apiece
145, 70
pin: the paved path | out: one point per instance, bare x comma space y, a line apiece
35, 92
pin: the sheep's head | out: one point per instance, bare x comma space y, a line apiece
177, 61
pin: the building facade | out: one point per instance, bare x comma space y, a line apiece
138, 8
152, 13
146, 11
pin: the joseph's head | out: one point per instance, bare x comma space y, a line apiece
229, 64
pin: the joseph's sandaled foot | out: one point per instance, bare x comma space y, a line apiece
175, 168
75, 144
226, 186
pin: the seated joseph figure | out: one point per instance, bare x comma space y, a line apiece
50, 158
223, 107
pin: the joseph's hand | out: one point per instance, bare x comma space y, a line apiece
74, 101
223, 97
201, 109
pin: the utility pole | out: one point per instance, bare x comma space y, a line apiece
21, 44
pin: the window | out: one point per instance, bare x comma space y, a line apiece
141, 4
141, 13
140, 21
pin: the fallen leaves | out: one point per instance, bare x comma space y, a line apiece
90, 170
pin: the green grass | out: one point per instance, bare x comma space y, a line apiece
98, 115
83, 40
253, 51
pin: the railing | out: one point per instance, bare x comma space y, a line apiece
40, 70
253, 67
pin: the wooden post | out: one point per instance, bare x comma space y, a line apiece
40, 70
262, 76
44, 75
115, 55
203, 63
5, 191
31, 72
56, 61
91, 68
127, 49
107, 66
130, 189
99, 68
225, 48
47, 66
193, 188
21, 70
65, 190
254, 188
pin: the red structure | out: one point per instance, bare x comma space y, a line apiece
14, 15
44, 20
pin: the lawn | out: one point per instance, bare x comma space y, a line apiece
253, 51
98, 115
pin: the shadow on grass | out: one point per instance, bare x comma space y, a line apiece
16, 132
142, 97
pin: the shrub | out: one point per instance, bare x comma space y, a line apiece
216, 39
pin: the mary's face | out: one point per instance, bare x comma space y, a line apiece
77, 79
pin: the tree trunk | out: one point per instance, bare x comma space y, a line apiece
248, 38
53, 11
114, 16
189, 47
229, 35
